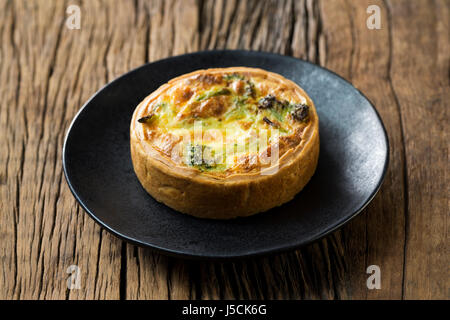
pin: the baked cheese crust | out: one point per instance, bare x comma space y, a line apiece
223, 143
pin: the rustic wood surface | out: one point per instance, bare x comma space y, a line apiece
48, 71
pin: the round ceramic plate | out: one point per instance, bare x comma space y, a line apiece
353, 160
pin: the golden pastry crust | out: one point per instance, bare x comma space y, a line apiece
244, 114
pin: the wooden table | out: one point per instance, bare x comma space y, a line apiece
47, 71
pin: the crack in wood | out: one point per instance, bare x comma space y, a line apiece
404, 159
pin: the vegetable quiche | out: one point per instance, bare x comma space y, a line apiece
225, 143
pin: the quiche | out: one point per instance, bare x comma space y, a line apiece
225, 143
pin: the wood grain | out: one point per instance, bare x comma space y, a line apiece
48, 71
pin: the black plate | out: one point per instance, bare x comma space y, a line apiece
353, 160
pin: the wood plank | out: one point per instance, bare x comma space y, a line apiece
11, 151
48, 71
51, 71
419, 73
383, 220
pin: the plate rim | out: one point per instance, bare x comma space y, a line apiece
184, 255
